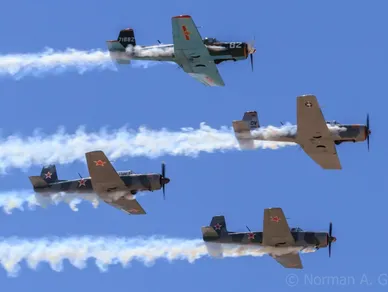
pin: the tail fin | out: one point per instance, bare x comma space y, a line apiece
117, 49
242, 129
251, 119
49, 173
215, 230
127, 37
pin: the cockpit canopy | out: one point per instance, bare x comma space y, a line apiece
208, 41
296, 229
334, 122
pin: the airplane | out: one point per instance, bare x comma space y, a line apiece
196, 56
114, 188
276, 234
315, 136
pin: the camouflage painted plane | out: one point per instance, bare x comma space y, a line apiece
196, 56
315, 136
276, 234
115, 188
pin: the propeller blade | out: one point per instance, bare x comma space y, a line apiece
163, 176
330, 228
251, 61
368, 130
330, 237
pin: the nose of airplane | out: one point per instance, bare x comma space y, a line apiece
333, 239
165, 180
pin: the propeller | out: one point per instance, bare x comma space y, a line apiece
251, 51
330, 238
367, 130
163, 179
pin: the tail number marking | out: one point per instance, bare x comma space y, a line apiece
235, 45
127, 39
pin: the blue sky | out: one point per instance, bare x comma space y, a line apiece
335, 50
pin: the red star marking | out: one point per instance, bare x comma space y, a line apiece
82, 182
251, 236
48, 174
99, 162
275, 219
217, 226
133, 211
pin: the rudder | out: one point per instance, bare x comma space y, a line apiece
127, 37
218, 223
212, 233
251, 119
242, 129
49, 174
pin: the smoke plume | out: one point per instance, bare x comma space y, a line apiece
23, 152
111, 250
25, 199
20, 65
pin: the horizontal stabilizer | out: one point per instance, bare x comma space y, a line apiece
243, 135
117, 52
115, 46
214, 249
38, 182
209, 233
242, 129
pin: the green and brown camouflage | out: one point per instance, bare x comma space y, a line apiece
48, 182
316, 136
276, 234
115, 188
196, 56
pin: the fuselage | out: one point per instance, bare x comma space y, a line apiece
339, 134
302, 239
219, 52
134, 182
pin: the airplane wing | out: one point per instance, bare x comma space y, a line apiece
276, 231
106, 182
132, 207
313, 135
291, 260
192, 54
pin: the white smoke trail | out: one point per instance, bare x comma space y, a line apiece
111, 250
12, 200
19, 152
20, 65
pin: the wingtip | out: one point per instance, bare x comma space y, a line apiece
94, 152
182, 16
307, 95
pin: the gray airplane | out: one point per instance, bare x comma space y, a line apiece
276, 234
196, 56
315, 136
115, 188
